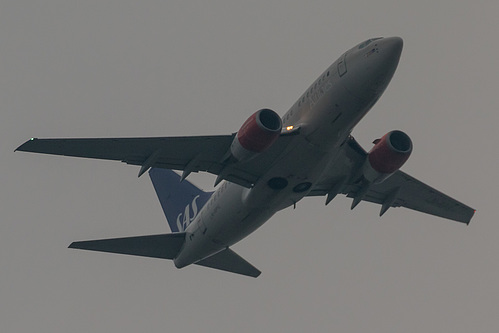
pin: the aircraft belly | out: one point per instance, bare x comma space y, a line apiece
237, 229
245, 210
221, 211
236, 220
332, 119
234, 212
297, 169
251, 208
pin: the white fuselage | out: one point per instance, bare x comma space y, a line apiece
325, 114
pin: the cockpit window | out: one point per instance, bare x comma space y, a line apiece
367, 42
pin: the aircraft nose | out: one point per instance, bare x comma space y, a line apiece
391, 48
371, 66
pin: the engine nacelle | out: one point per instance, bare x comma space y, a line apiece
256, 135
387, 156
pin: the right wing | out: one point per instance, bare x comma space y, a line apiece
413, 194
188, 153
399, 190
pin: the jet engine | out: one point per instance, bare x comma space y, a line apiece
257, 134
387, 156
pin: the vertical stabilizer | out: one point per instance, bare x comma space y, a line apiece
181, 200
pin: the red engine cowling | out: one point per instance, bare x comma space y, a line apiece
257, 134
387, 156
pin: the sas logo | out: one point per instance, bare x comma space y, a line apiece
186, 218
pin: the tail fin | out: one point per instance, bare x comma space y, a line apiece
181, 201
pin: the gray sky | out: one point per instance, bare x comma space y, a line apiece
157, 68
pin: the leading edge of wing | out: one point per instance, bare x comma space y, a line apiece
129, 150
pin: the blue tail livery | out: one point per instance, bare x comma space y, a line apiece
181, 200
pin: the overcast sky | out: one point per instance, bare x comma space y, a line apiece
160, 68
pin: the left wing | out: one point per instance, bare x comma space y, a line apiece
399, 190
188, 153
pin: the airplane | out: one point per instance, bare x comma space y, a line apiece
269, 164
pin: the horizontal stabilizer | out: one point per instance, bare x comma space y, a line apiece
164, 246
228, 260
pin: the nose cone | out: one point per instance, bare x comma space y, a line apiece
392, 44
371, 66
391, 49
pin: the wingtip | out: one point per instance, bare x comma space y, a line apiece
20, 148
472, 214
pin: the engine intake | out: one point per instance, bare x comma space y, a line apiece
387, 156
256, 135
